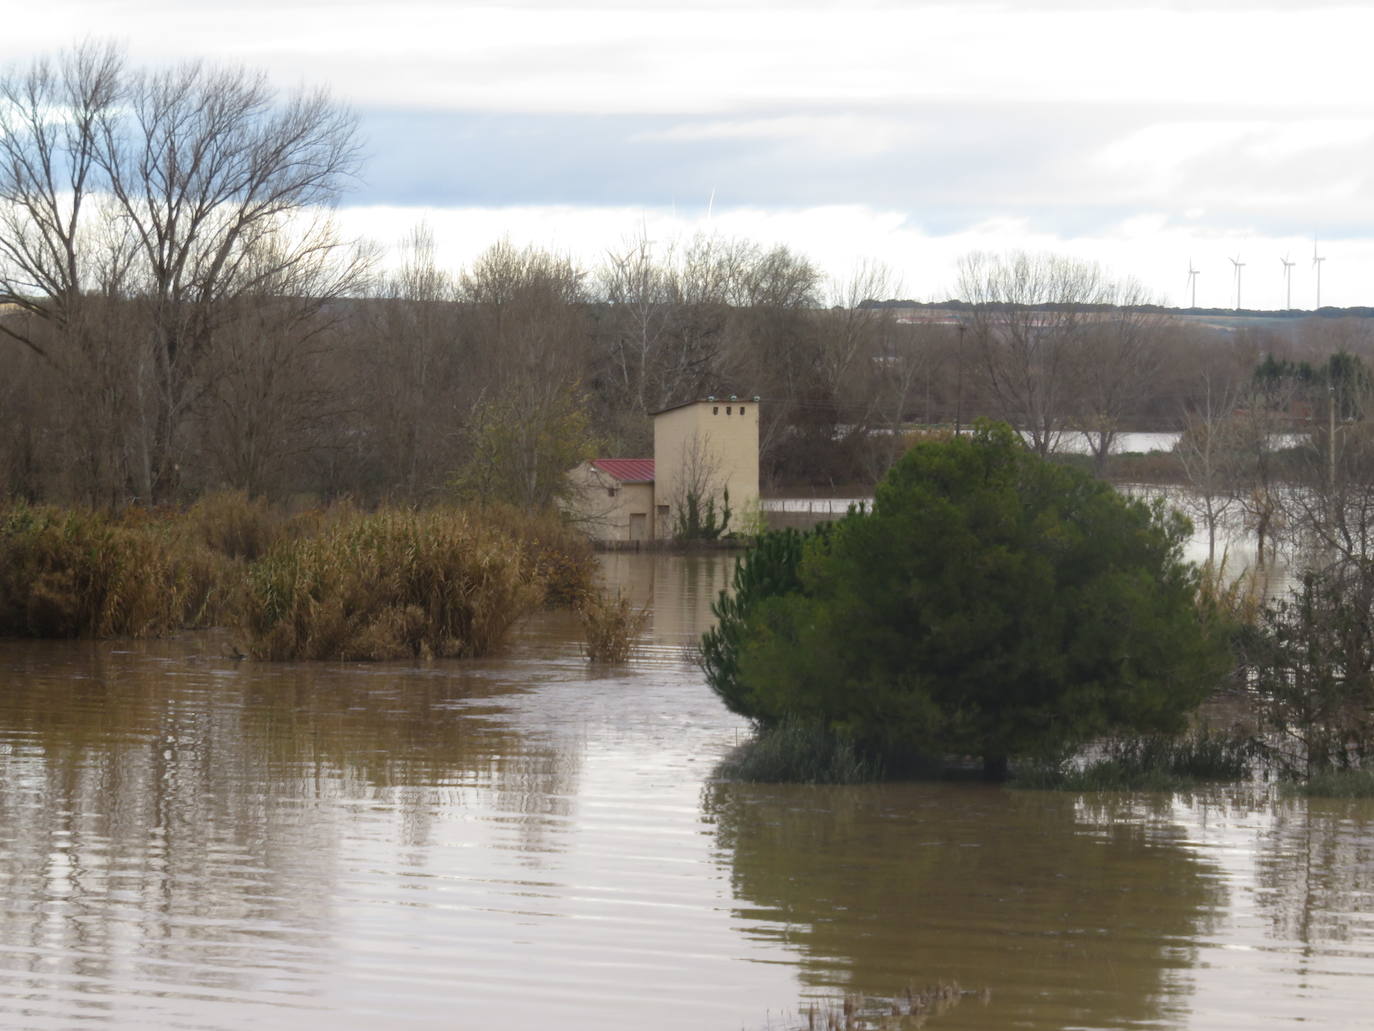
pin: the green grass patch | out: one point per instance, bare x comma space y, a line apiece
1336, 784
1149, 763
793, 752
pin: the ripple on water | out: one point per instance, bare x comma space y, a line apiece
187, 841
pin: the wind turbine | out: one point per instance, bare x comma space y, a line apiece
1316, 260
1239, 265
1192, 282
1288, 279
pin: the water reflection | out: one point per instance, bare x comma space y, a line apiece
1297, 942
179, 822
527, 841
1073, 916
678, 589
1315, 876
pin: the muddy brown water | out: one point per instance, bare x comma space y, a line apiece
187, 841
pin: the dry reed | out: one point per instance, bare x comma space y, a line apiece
1237, 599
334, 583
389, 585
910, 1008
231, 523
557, 554
610, 628
80, 573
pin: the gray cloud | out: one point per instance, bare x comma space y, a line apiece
945, 167
954, 155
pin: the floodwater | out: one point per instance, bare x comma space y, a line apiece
187, 841
1234, 547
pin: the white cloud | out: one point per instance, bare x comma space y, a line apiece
1146, 247
856, 136
1135, 135
1153, 156
719, 57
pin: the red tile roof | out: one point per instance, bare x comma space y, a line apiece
627, 470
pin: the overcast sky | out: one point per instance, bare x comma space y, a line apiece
909, 134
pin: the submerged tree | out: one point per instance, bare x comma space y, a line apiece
1210, 450
1310, 661
991, 604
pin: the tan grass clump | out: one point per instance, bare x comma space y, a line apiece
231, 523
1238, 599
910, 1009
610, 628
389, 585
79, 573
558, 555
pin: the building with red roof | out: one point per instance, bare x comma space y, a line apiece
701, 448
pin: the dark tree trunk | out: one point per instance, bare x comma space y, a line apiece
995, 767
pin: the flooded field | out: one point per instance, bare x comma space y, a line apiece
191, 841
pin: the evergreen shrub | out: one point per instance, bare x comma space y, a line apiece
991, 604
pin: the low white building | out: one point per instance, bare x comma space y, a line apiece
613, 498
702, 450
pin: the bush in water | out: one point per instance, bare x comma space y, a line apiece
991, 604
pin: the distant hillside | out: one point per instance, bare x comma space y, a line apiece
1289, 315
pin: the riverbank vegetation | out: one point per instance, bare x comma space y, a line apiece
1152, 762
79, 573
610, 627
329, 583
798, 752
387, 585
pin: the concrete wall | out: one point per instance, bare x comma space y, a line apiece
706, 447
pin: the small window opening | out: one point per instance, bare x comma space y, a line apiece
727, 409
741, 409
715, 410
610, 492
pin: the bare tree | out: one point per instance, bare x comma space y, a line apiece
870, 371
668, 310
1329, 503
58, 243
270, 394
1260, 419
774, 351
1212, 449
1116, 367
637, 288
1026, 323
182, 192
699, 498
416, 390
527, 333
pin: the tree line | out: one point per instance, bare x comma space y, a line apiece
179, 313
